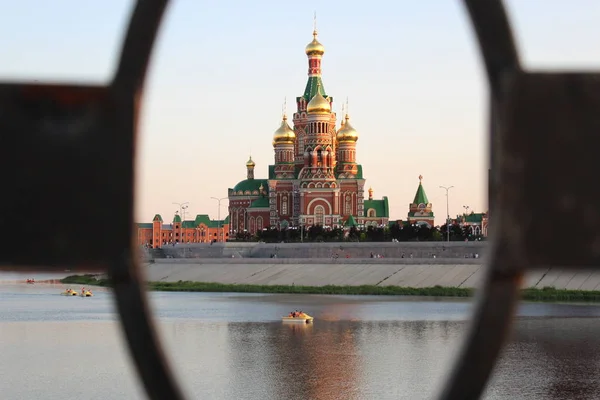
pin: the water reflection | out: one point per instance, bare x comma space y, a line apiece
550, 358
293, 361
235, 347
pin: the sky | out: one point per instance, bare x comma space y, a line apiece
221, 70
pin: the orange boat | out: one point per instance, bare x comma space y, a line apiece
298, 317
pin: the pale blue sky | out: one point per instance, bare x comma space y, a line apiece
221, 70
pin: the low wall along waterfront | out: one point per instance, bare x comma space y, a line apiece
466, 273
322, 250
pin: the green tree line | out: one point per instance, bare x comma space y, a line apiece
403, 232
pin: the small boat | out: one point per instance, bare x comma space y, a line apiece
31, 281
69, 292
302, 318
87, 293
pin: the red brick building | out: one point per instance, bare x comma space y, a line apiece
199, 230
478, 222
420, 211
315, 178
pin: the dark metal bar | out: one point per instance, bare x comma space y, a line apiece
125, 273
498, 297
496, 42
496, 303
137, 47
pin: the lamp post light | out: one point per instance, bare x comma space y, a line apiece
182, 208
447, 188
219, 226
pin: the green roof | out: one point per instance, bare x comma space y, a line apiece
271, 172
381, 207
205, 219
314, 83
420, 196
474, 218
261, 202
350, 221
251, 185
202, 219
144, 225
157, 217
176, 218
188, 224
226, 220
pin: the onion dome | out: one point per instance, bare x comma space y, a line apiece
284, 134
250, 163
314, 47
318, 104
347, 133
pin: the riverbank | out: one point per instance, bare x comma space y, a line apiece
529, 294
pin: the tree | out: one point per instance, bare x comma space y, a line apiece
353, 234
315, 232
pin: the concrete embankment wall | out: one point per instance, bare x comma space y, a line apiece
324, 250
467, 273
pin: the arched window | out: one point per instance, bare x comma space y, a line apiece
251, 223
319, 212
348, 205
284, 205
259, 223
371, 213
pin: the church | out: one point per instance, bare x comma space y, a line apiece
315, 178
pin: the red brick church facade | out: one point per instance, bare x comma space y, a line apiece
315, 178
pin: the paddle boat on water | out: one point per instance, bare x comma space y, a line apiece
69, 292
31, 281
298, 317
86, 293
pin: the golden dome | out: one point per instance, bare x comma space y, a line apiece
347, 133
250, 163
318, 104
314, 47
284, 134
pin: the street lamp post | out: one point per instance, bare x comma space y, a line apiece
447, 211
219, 216
182, 208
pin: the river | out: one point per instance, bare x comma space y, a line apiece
233, 346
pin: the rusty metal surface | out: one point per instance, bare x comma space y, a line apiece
548, 145
61, 148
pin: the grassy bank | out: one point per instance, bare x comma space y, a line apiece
545, 294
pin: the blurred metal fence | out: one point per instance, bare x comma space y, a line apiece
69, 150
